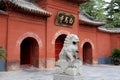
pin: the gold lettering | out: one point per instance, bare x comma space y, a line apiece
71, 21
66, 19
61, 18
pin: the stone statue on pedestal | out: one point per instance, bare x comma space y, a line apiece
69, 63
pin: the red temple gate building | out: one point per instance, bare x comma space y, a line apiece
33, 32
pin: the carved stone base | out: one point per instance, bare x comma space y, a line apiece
69, 68
73, 71
67, 77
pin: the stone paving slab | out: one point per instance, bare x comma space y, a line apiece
90, 72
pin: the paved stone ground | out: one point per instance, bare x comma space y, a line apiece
90, 72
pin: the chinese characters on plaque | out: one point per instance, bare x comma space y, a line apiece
64, 19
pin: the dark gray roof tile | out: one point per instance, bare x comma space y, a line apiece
90, 20
110, 30
27, 6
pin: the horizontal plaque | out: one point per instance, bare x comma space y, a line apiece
64, 19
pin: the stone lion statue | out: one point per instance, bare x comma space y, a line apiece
69, 62
70, 48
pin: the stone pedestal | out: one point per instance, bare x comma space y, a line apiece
67, 77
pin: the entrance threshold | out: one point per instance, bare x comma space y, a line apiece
25, 65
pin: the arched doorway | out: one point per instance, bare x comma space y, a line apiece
87, 53
29, 52
58, 45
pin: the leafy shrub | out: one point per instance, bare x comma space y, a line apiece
115, 55
2, 52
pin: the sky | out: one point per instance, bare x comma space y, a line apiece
107, 0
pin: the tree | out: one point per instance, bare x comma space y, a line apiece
99, 10
113, 14
95, 8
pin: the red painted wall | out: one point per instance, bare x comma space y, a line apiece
103, 44
115, 40
53, 30
87, 33
19, 28
16, 27
3, 30
100, 41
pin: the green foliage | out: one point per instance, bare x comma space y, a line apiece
114, 7
101, 10
88, 7
115, 55
110, 25
113, 11
2, 52
95, 8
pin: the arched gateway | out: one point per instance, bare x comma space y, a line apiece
87, 53
58, 45
29, 52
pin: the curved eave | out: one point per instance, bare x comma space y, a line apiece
3, 12
109, 30
27, 7
87, 20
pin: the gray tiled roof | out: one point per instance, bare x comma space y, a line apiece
89, 20
110, 30
3, 12
27, 6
